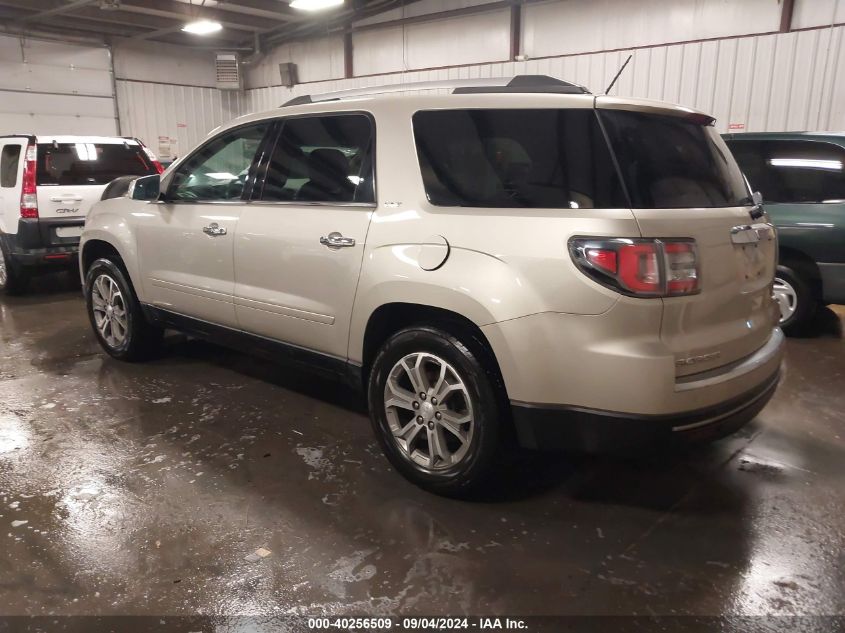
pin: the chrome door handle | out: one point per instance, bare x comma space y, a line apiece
66, 198
336, 240
214, 230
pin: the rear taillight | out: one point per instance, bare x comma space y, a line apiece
639, 267
152, 158
29, 192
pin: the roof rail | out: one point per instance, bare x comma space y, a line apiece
517, 84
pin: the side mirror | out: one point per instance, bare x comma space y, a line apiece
757, 198
145, 188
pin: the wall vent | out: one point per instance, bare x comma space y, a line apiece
287, 74
228, 71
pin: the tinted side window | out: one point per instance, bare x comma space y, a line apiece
671, 162
9, 161
322, 159
218, 170
793, 171
69, 164
516, 158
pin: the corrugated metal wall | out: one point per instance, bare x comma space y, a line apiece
55, 88
172, 119
787, 81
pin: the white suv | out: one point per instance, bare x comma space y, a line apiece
47, 185
514, 261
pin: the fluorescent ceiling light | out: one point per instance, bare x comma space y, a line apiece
807, 163
315, 5
202, 27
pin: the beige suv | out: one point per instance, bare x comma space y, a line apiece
505, 261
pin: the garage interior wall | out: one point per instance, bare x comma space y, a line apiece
726, 58
723, 56
55, 88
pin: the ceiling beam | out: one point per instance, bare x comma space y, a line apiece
272, 10
65, 8
180, 11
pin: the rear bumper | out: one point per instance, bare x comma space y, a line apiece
37, 244
543, 427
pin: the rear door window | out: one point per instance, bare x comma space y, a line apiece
528, 158
90, 163
793, 171
9, 162
673, 162
327, 158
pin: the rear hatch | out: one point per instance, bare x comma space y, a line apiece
72, 173
684, 183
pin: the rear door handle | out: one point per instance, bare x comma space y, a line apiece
66, 198
336, 240
214, 230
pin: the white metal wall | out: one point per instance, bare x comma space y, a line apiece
55, 88
789, 81
172, 119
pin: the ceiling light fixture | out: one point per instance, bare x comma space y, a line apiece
315, 5
202, 27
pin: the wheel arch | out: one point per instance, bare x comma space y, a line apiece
389, 318
804, 265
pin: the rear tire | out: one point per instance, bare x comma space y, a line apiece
451, 446
13, 279
115, 313
797, 300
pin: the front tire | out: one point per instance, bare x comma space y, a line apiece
796, 299
115, 314
436, 409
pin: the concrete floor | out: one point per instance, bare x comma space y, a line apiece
144, 489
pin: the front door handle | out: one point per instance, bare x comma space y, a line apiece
336, 240
214, 230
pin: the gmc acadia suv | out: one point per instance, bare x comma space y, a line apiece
516, 259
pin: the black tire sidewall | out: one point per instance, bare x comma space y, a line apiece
805, 300
16, 279
133, 317
474, 468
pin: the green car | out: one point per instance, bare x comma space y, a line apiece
802, 178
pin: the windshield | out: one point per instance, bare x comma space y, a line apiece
90, 163
671, 162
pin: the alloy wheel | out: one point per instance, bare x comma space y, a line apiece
4, 274
109, 310
429, 411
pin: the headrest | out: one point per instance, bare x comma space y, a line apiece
328, 168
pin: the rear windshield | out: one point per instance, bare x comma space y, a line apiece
516, 158
90, 163
669, 162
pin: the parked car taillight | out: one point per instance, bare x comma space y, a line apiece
29, 193
152, 158
639, 267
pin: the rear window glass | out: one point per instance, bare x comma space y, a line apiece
538, 158
793, 171
671, 162
90, 163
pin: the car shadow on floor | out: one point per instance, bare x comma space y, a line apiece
668, 474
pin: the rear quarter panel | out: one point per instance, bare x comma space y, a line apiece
502, 263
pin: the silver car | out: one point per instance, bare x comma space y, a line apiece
514, 261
